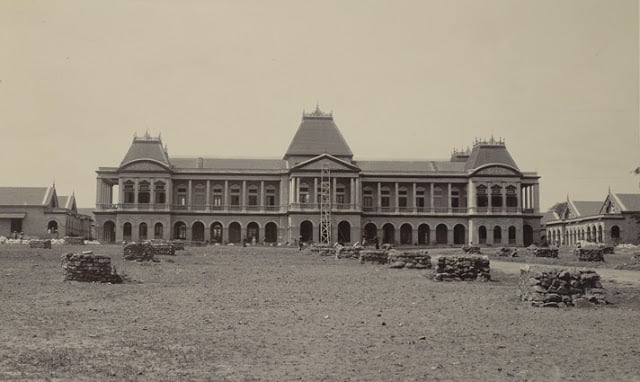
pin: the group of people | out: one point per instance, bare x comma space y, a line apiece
375, 241
14, 235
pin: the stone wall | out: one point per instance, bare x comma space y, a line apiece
373, 256
560, 288
608, 249
409, 259
457, 268
546, 252
89, 268
73, 240
40, 244
589, 254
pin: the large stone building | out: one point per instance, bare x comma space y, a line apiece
478, 196
612, 221
39, 212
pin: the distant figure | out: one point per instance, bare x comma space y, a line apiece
253, 241
21, 235
15, 234
300, 244
364, 241
376, 242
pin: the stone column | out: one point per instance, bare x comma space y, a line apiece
449, 204
358, 193
536, 196
352, 195
136, 189
99, 196
333, 192
262, 196
471, 197
413, 203
208, 203
243, 203
315, 190
397, 198
189, 188
379, 197
152, 197
225, 198
170, 196
431, 206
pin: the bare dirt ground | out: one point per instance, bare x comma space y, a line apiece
275, 314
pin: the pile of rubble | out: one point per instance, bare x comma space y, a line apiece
546, 252
352, 252
322, 250
457, 268
560, 288
471, 250
608, 249
177, 244
139, 252
163, 248
589, 254
507, 252
409, 259
40, 244
378, 256
89, 268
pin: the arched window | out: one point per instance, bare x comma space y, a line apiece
197, 231
253, 232
126, 232
441, 234
406, 234
370, 231
158, 231
344, 232
142, 231
459, 234
482, 234
306, 231
216, 232
512, 235
615, 232
423, 234
271, 233
388, 234
235, 233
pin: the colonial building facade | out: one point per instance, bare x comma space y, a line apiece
613, 221
478, 196
39, 212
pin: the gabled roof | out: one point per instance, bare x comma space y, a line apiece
489, 152
318, 134
414, 167
629, 202
583, 208
67, 202
25, 196
317, 163
146, 148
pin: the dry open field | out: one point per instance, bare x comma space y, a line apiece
275, 314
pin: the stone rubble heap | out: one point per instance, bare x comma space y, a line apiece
608, 249
507, 252
458, 268
322, 250
162, 248
560, 287
546, 252
589, 254
138, 252
352, 252
374, 256
471, 250
89, 268
409, 259
177, 244
40, 244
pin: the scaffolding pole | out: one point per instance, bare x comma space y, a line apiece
325, 205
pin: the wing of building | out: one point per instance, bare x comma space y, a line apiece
477, 196
612, 221
39, 212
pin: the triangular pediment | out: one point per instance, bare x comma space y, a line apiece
144, 166
325, 161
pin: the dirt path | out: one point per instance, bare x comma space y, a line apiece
617, 275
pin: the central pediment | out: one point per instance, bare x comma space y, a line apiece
325, 161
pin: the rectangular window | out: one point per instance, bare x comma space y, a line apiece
367, 201
271, 200
235, 200
217, 200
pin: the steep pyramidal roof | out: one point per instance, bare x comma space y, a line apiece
146, 148
489, 152
318, 134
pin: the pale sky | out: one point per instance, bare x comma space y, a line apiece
405, 80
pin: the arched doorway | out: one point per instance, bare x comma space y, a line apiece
235, 233
52, 227
497, 235
482, 235
253, 232
370, 231
158, 231
197, 231
459, 234
344, 232
271, 233
216, 232
126, 232
142, 232
512, 235
306, 231
527, 235
441, 234
423, 234
406, 233
388, 233
109, 232
180, 231
615, 234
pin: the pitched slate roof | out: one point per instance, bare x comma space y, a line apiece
630, 202
587, 208
548, 216
20, 196
318, 134
146, 148
398, 166
484, 153
62, 201
230, 164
